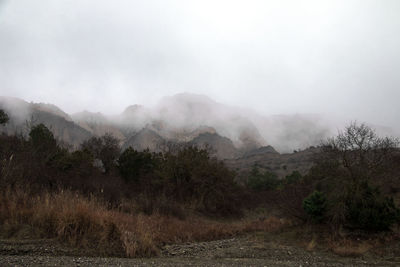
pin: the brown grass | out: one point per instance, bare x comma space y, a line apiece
350, 248
312, 244
87, 223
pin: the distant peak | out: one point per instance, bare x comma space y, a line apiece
133, 108
189, 97
13, 100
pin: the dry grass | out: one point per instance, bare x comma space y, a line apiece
312, 244
87, 223
80, 222
350, 248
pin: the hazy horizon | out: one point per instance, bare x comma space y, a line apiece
336, 58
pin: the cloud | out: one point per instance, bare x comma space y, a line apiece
331, 57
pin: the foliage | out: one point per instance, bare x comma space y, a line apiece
164, 183
360, 152
133, 164
367, 209
259, 181
350, 170
105, 148
315, 206
290, 199
191, 176
293, 178
3, 117
42, 139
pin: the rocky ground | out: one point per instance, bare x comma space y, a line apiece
250, 250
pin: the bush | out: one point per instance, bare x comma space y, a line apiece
293, 178
42, 140
133, 164
349, 169
262, 181
367, 209
191, 176
315, 206
105, 148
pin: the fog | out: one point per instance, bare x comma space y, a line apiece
331, 58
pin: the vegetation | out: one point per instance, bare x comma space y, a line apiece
105, 148
259, 181
293, 178
3, 117
350, 171
315, 206
368, 209
131, 202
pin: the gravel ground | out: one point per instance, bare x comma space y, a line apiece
243, 251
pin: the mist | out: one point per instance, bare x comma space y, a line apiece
327, 59
178, 118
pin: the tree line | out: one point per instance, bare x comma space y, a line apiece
354, 181
164, 182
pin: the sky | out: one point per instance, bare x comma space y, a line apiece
338, 57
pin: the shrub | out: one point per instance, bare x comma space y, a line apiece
293, 178
367, 209
133, 164
42, 139
191, 176
315, 206
105, 148
349, 169
262, 181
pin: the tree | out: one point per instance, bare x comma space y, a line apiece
132, 164
3, 117
315, 206
262, 181
42, 139
368, 209
361, 152
192, 176
105, 148
292, 178
349, 169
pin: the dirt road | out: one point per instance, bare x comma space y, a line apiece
248, 250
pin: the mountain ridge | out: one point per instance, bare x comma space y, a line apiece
178, 118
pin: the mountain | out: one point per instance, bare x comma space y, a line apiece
146, 139
134, 117
98, 124
242, 138
261, 151
221, 147
181, 118
190, 111
267, 159
296, 131
23, 115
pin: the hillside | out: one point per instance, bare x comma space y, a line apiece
241, 139
267, 159
23, 115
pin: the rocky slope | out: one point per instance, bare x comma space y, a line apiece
180, 119
222, 147
23, 115
267, 159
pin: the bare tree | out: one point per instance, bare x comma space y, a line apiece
361, 152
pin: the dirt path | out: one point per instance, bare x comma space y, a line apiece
244, 251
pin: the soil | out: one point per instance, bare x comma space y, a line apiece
257, 249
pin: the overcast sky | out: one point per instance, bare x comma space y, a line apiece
330, 57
